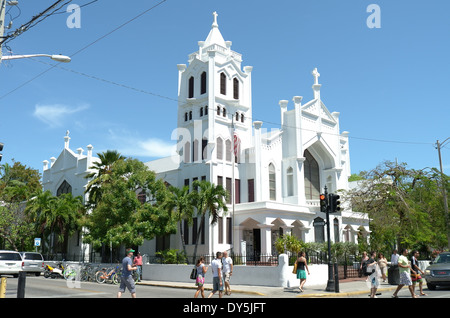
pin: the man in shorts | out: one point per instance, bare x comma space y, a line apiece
405, 276
227, 263
216, 267
127, 281
416, 277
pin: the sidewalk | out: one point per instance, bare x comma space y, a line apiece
347, 288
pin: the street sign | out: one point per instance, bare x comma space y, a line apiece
37, 242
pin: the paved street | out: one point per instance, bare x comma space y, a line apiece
40, 287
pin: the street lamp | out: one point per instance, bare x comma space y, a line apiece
55, 57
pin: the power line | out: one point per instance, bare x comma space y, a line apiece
83, 48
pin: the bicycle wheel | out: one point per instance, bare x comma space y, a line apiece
70, 273
100, 277
115, 278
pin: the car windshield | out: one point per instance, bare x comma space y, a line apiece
443, 258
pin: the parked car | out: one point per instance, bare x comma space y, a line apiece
32, 263
438, 273
10, 263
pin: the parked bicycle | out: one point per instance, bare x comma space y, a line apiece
111, 275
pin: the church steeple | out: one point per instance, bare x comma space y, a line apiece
214, 36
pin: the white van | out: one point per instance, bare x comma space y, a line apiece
10, 263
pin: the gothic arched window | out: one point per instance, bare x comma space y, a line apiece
272, 183
223, 84
235, 88
65, 187
219, 143
290, 181
228, 150
191, 87
203, 83
312, 177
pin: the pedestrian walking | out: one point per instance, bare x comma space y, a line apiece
126, 281
363, 265
394, 258
382, 263
405, 277
200, 280
416, 277
227, 263
374, 274
137, 262
301, 266
216, 268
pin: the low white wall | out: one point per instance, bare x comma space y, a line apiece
275, 276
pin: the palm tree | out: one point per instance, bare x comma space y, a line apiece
101, 173
55, 216
179, 202
208, 197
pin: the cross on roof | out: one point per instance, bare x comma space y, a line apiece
316, 75
215, 19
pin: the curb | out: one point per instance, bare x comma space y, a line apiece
344, 294
236, 291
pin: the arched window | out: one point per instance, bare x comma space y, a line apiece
319, 230
203, 83
187, 152
235, 88
312, 177
219, 143
218, 110
223, 84
336, 230
224, 112
191, 87
228, 150
290, 181
201, 111
237, 116
242, 118
185, 116
206, 110
195, 151
272, 183
65, 187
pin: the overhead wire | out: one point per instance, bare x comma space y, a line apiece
159, 95
85, 47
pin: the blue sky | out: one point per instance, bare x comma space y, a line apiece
390, 84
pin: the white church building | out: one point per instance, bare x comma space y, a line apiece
277, 174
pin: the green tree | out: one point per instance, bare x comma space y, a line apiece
55, 218
208, 197
100, 175
404, 205
119, 216
17, 184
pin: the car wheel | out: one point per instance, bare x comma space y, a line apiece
431, 286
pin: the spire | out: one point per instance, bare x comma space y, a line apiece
316, 86
214, 36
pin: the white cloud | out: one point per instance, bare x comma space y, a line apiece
54, 115
136, 146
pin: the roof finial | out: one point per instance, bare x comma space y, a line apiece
215, 25
316, 75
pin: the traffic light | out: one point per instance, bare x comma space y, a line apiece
323, 203
1, 148
334, 203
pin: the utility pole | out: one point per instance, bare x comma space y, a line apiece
444, 190
2, 23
